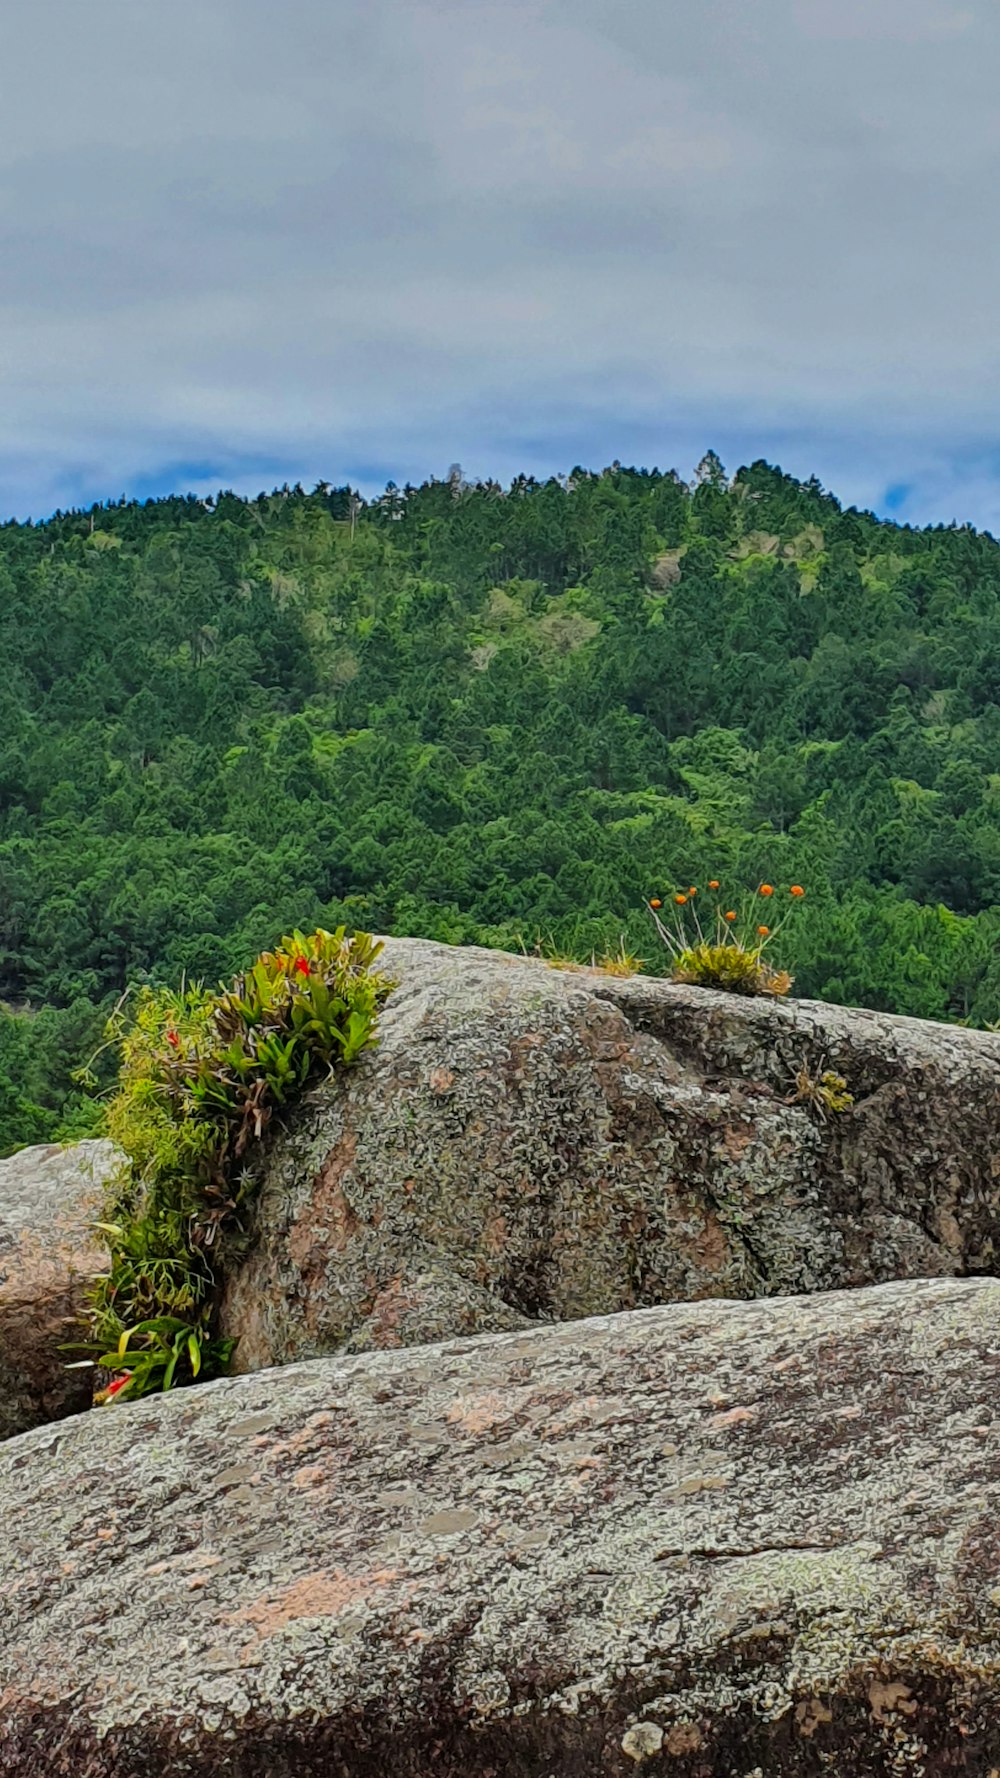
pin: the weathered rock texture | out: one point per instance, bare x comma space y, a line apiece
529, 1144
49, 1198
712, 1540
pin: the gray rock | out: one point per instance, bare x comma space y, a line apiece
715, 1540
49, 1198
529, 1144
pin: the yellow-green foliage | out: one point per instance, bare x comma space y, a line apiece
202, 1074
622, 962
715, 945
826, 1093
730, 966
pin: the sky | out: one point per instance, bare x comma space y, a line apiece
244, 243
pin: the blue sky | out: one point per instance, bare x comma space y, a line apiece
242, 244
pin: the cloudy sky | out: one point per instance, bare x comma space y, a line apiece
244, 242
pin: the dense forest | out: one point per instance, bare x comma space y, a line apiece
502, 716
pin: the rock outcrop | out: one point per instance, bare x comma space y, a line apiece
49, 1199
714, 1540
529, 1144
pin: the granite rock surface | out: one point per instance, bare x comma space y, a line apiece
49, 1199
716, 1540
530, 1145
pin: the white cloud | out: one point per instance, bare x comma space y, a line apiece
890, 21
334, 239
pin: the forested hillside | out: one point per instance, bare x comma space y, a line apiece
494, 716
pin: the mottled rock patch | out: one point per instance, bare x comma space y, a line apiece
532, 1145
711, 1540
49, 1199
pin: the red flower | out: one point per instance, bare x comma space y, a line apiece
301, 966
173, 1040
116, 1384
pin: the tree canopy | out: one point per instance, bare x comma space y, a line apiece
488, 715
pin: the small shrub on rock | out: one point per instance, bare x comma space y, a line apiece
825, 1093
622, 962
202, 1076
714, 945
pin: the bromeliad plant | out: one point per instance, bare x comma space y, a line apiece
727, 949
202, 1076
160, 1346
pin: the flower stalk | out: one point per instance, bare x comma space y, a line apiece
727, 950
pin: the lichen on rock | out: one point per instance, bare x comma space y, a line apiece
704, 1539
531, 1145
49, 1252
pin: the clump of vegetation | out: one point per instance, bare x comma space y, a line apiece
202, 1075
620, 962
825, 1093
728, 950
545, 951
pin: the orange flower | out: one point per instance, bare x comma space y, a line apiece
763, 930
714, 884
796, 889
173, 1040
692, 891
767, 888
656, 902
680, 900
730, 916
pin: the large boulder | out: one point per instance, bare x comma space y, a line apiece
715, 1540
49, 1253
531, 1144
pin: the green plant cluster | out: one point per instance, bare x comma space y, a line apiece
487, 715
202, 1075
713, 945
826, 1093
733, 967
